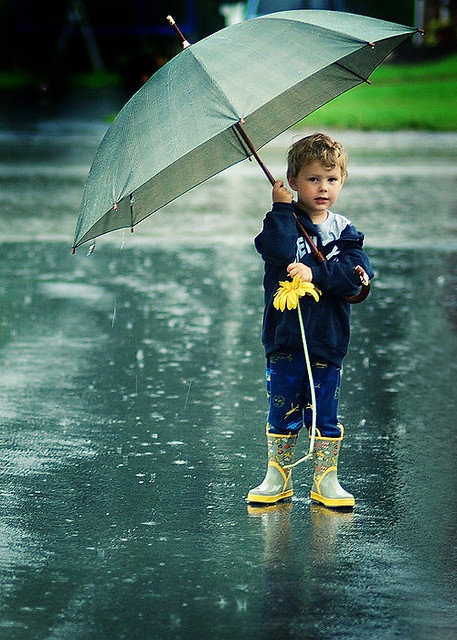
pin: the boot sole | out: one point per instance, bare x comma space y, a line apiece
333, 502
259, 499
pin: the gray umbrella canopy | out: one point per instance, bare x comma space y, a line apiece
179, 129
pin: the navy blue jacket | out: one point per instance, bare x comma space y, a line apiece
326, 322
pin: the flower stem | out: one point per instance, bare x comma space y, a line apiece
313, 393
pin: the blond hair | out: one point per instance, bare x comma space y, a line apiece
317, 147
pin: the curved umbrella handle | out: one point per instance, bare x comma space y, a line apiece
364, 290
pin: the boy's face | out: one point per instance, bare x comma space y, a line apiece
318, 188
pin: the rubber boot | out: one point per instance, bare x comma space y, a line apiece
277, 484
326, 489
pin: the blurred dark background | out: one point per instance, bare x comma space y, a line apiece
44, 40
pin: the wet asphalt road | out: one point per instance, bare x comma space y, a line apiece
132, 409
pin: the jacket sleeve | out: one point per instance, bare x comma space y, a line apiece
277, 242
336, 276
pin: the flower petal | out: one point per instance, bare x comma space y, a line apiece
292, 299
290, 292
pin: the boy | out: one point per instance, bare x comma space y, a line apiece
317, 169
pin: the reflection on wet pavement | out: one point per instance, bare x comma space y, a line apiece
132, 409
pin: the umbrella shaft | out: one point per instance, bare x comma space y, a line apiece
244, 136
318, 254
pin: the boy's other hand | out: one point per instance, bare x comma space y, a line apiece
281, 193
299, 269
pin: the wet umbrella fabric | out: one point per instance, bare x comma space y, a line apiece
179, 129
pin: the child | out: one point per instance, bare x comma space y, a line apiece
317, 169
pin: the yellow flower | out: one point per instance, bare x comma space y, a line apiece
289, 293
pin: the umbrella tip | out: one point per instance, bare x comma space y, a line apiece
185, 43
73, 251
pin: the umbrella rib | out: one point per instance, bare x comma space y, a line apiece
321, 27
354, 73
131, 203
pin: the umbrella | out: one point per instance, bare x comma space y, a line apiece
220, 100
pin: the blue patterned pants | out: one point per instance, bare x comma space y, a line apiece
289, 394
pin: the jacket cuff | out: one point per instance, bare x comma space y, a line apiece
284, 207
317, 272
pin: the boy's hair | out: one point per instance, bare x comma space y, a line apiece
316, 147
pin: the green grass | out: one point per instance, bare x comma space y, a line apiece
415, 96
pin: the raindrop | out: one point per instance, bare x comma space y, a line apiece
140, 358
241, 605
175, 621
187, 396
114, 313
